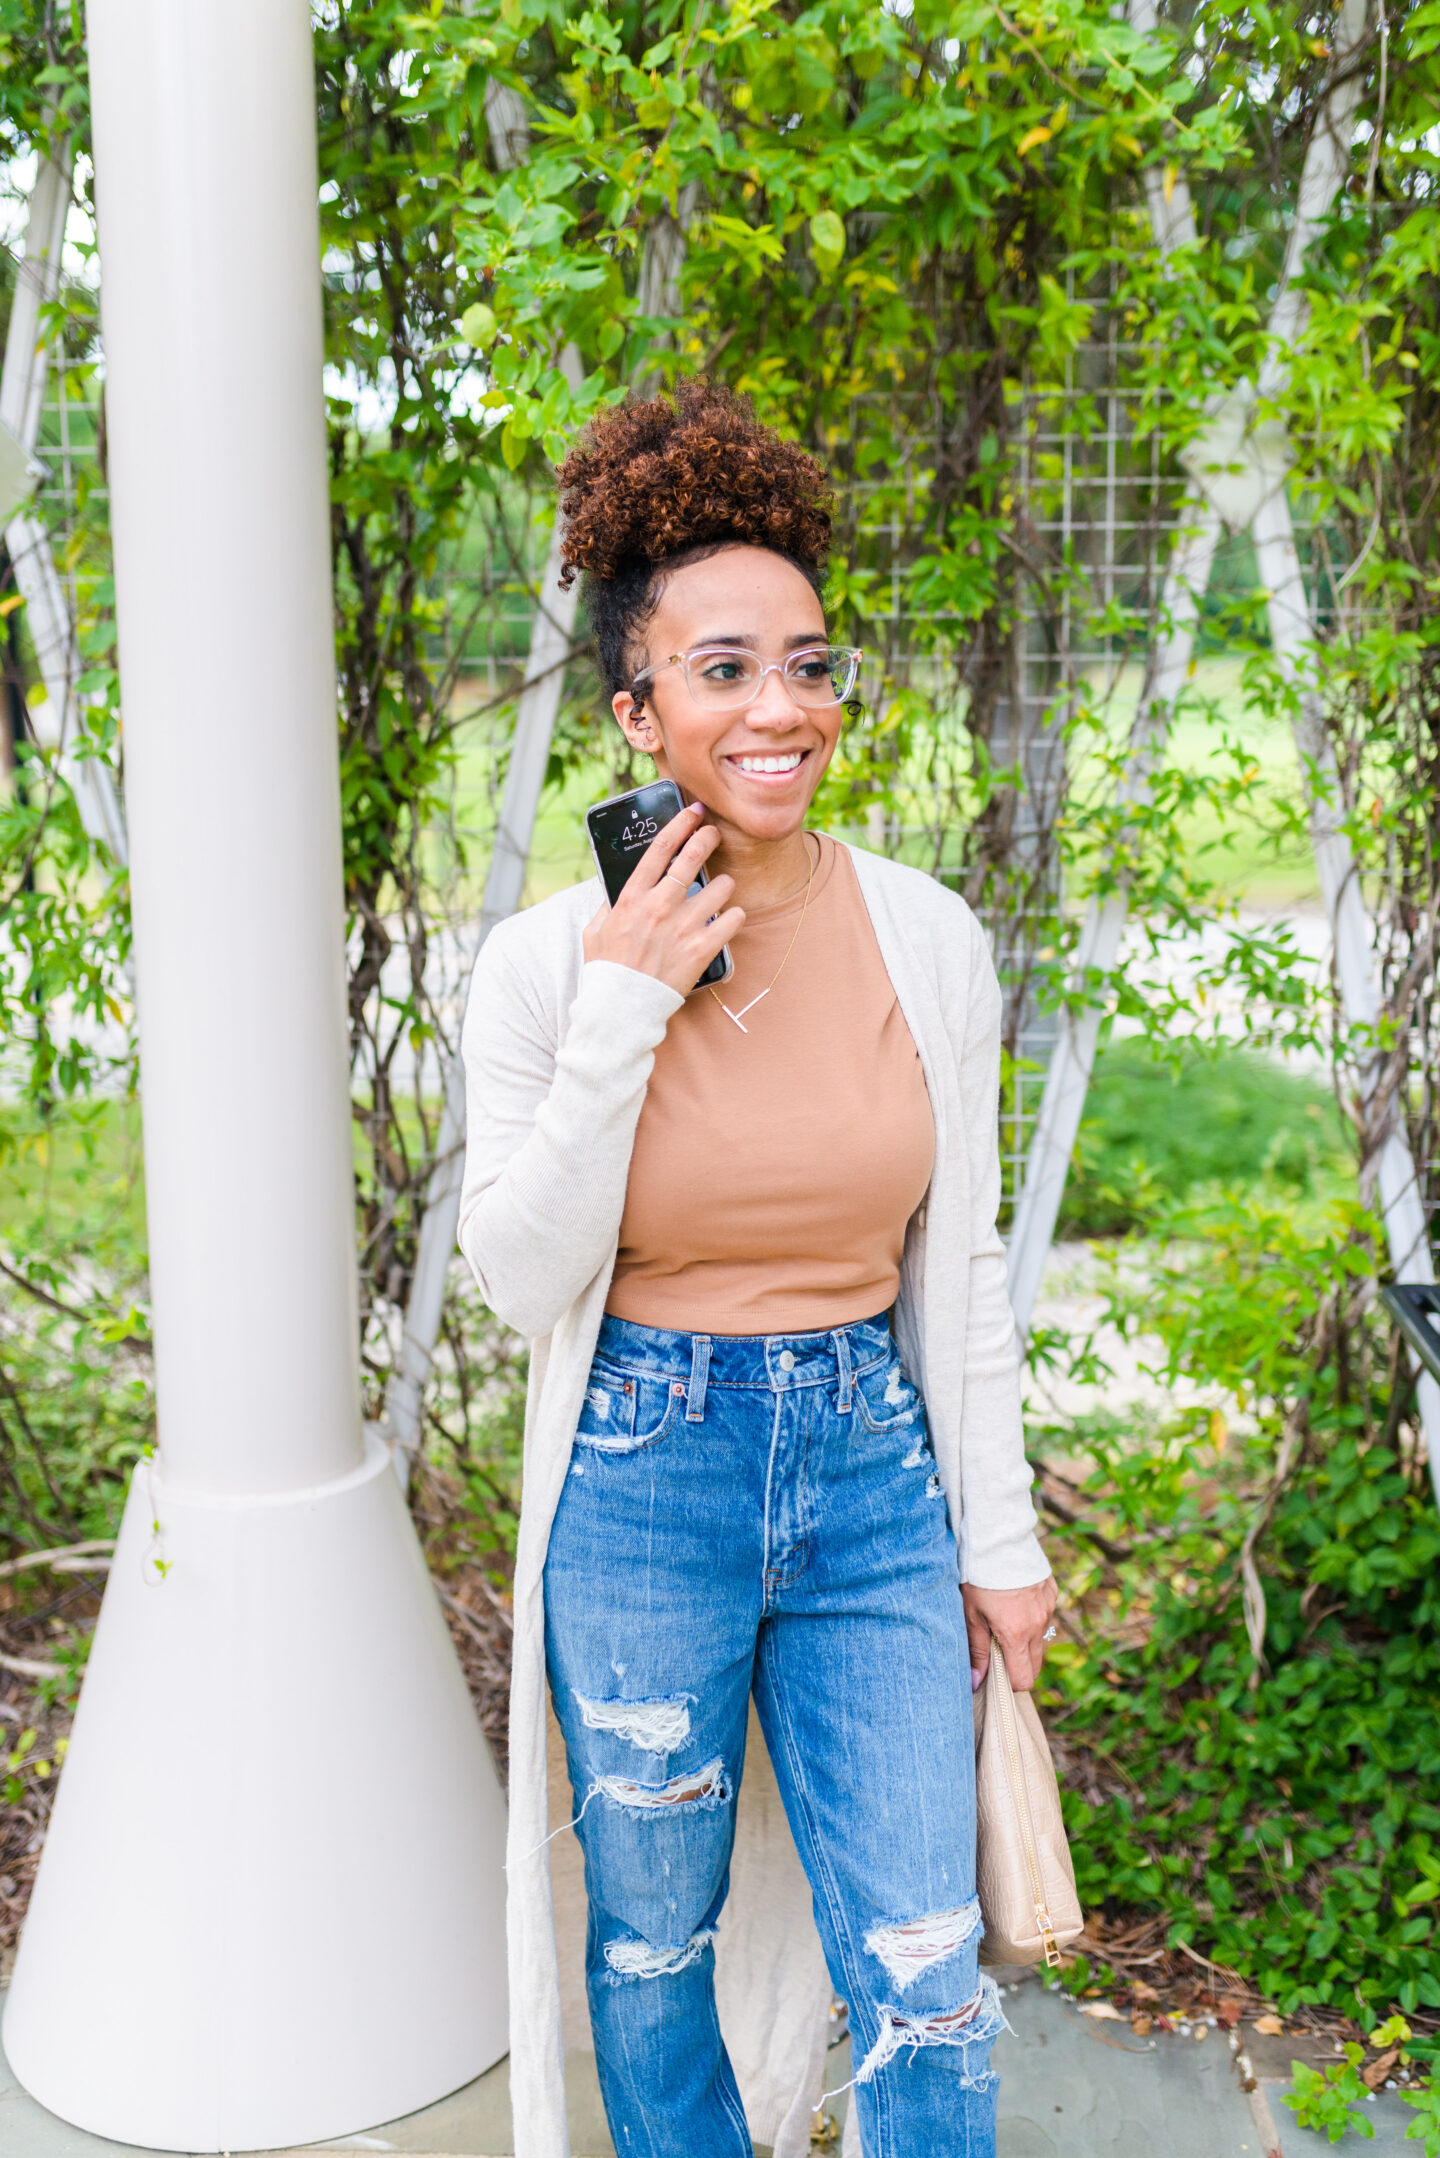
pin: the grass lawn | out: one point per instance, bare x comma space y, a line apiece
1236, 851
1231, 1119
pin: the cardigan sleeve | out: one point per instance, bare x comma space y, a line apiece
549, 1130
999, 1546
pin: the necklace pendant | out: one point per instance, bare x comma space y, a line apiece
739, 1016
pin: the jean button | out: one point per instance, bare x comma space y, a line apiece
787, 1359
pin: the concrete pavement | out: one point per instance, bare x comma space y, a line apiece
1073, 2087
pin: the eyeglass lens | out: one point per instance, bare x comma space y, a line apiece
820, 675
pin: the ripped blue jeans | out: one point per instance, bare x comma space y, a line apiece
764, 1513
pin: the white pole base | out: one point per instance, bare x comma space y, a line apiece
271, 1908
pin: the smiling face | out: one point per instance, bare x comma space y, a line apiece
755, 768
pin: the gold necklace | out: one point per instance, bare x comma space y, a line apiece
739, 1017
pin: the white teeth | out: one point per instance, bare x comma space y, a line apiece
769, 764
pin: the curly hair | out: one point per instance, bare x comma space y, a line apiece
652, 485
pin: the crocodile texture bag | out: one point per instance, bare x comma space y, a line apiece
1023, 1868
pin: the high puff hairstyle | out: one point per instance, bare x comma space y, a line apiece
653, 484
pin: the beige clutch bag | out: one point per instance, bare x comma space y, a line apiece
1023, 1868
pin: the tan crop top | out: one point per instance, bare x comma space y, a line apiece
774, 1171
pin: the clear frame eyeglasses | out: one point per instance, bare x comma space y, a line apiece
726, 678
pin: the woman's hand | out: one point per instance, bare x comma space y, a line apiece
1018, 1619
655, 926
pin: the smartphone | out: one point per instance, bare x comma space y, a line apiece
621, 829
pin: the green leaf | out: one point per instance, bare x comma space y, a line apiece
827, 241
477, 324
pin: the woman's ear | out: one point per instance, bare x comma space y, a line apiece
635, 723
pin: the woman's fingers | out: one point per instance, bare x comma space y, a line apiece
659, 925
1017, 1618
710, 896
668, 853
687, 862
979, 1632
1023, 1655
723, 928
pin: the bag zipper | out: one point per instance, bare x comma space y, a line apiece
1043, 1922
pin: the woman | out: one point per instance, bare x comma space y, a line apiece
774, 1410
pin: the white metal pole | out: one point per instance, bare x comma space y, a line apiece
1047, 1164
205, 158
47, 608
1072, 1060
1293, 639
1292, 635
23, 377
1327, 160
56, 721
217, 1955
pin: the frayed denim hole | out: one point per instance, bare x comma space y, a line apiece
976, 2024
699, 1790
659, 1727
887, 1400
631, 1961
909, 1947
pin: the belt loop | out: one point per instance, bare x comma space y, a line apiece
699, 1376
841, 1339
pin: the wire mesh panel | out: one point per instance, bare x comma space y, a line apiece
71, 500
56, 542
1098, 508
985, 760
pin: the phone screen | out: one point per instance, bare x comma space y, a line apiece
620, 831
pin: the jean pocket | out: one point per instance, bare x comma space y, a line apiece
626, 1410
886, 1399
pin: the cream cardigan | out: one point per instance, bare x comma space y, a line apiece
557, 1056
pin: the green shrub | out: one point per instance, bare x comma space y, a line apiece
1323, 2097
1165, 1130
1284, 1815
76, 1398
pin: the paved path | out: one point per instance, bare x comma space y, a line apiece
1072, 2088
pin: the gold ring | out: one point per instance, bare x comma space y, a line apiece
683, 882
